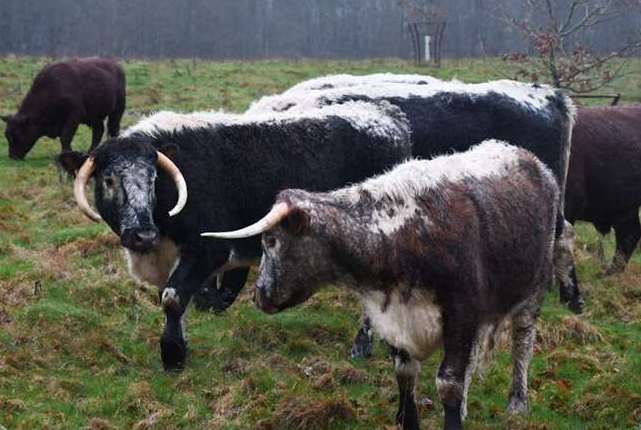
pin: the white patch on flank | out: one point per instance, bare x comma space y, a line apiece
413, 324
407, 180
154, 267
300, 99
380, 118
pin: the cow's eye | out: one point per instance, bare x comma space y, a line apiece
270, 241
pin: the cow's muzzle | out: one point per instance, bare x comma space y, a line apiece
140, 239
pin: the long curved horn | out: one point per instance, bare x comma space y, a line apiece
278, 212
172, 170
82, 177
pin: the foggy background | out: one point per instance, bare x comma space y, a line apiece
256, 29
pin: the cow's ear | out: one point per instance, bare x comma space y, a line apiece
71, 161
297, 222
170, 150
6, 118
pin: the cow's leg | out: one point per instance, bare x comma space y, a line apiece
603, 230
407, 370
565, 269
97, 130
68, 132
219, 297
183, 283
523, 334
113, 121
628, 233
460, 342
362, 346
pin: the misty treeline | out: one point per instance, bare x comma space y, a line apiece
255, 29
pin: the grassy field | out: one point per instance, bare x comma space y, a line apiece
79, 339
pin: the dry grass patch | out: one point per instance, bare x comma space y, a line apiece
294, 413
572, 328
99, 424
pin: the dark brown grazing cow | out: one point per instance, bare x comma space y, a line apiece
65, 95
604, 177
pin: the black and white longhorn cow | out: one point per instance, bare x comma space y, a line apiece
452, 116
233, 166
441, 252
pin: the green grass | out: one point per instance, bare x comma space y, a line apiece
79, 339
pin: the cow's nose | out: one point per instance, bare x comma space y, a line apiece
143, 238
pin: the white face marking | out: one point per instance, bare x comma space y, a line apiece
300, 98
138, 188
378, 119
156, 266
414, 325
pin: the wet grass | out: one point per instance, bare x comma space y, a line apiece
79, 339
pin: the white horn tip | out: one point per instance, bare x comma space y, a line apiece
182, 197
214, 234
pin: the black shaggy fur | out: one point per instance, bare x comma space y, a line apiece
65, 95
233, 174
604, 178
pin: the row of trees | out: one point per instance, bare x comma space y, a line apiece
270, 28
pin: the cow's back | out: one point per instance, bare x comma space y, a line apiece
454, 122
92, 86
604, 178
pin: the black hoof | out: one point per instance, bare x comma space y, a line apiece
407, 420
362, 347
576, 305
362, 351
173, 353
209, 299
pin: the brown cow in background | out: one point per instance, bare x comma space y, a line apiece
604, 177
65, 95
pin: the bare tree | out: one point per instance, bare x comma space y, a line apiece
423, 10
555, 30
